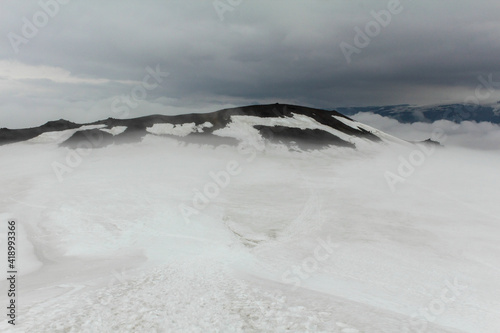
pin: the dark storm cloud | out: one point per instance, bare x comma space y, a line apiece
262, 51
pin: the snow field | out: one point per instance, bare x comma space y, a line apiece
107, 249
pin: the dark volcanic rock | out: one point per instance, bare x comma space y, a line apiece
303, 138
431, 142
87, 139
17, 135
137, 127
205, 139
58, 125
222, 118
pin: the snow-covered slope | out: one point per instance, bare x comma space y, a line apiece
295, 126
163, 236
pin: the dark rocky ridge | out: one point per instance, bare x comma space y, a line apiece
17, 135
222, 118
80, 138
430, 142
303, 138
136, 127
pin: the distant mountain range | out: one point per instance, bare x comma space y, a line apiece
295, 126
453, 112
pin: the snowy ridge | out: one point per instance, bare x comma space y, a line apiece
115, 130
177, 130
294, 126
384, 136
61, 136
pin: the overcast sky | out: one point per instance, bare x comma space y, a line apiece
86, 60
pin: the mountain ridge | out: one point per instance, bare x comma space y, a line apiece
405, 113
301, 126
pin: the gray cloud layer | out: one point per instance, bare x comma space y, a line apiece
262, 51
467, 134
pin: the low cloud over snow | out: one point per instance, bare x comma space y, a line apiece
466, 134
